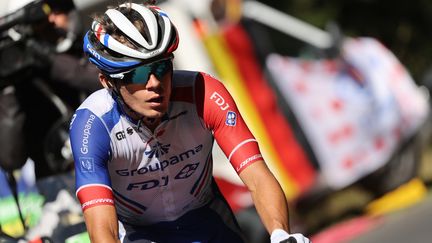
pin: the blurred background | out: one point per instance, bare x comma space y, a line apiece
336, 92
401, 26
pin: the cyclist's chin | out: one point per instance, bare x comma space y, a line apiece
155, 112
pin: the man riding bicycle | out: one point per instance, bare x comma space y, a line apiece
142, 146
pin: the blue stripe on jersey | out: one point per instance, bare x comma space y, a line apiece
90, 143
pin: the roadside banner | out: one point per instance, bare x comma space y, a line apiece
355, 111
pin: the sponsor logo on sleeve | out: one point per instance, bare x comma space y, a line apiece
87, 164
247, 161
96, 202
86, 134
231, 118
219, 100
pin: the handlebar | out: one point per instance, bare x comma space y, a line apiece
289, 240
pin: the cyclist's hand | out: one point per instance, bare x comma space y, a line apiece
281, 236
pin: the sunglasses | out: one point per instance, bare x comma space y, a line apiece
141, 74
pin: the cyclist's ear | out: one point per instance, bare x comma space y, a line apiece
105, 81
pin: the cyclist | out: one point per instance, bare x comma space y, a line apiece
142, 146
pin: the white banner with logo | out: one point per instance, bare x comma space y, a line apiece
354, 112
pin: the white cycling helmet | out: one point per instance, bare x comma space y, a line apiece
158, 40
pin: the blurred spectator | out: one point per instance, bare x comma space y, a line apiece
49, 50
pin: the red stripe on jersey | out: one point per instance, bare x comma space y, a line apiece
125, 204
94, 195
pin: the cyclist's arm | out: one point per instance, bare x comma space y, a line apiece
102, 224
90, 144
221, 115
267, 195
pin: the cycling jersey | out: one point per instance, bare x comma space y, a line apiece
158, 176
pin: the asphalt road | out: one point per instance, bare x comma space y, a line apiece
410, 225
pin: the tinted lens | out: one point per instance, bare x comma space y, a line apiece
141, 74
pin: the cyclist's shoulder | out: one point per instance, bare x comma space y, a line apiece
184, 78
196, 80
97, 106
99, 102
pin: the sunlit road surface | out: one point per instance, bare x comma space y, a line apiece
409, 225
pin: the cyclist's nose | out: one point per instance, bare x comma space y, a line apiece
153, 82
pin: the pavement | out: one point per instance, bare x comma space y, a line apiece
412, 224
401, 216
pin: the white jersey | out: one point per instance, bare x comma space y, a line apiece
157, 176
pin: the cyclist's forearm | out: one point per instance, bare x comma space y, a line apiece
102, 224
268, 197
271, 206
103, 236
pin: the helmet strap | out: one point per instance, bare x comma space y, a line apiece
116, 90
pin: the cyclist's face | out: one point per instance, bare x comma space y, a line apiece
150, 99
